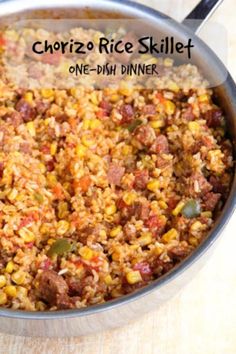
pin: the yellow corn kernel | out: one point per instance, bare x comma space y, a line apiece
145, 239
50, 241
86, 253
134, 247
18, 277
206, 214
62, 227
42, 167
3, 298
96, 37
196, 226
110, 210
31, 128
10, 290
170, 235
169, 107
13, 194
47, 93
26, 235
51, 179
153, 185
44, 229
9, 267
159, 250
193, 241
86, 124
193, 127
87, 140
115, 231
203, 98
28, 97
173, 86
152, 60
133, 277
95, 123
108, 280
103, 233
21, 292
2, 281
114, 98
178, 208
127, 150
116, 256
47, 121
163, 204
129, 197
156, 124
168, 62
53, 148
94, 98
62, 210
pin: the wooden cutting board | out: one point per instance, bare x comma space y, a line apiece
199, 320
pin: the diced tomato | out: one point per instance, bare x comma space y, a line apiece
121, 204
155, 223
45, 149
45, 265
2, 41
83, 183
172, 202
29, 245
101, 114
160, 97
72, 122
33, 216
53, 59
58, 191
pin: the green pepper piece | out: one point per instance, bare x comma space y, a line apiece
132, 126
191, 209
59, 247
38, 197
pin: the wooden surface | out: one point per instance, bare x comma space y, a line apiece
199, 320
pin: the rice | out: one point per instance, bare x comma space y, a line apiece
103, 191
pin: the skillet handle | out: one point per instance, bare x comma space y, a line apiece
201, 13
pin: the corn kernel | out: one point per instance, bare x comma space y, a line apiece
203, 98
62, 227
47, 93
31, 128
178, 208
156, 124
193, 241
62, 210
115, 231
116, 256
10, 267
50, 241
206, 214
87, 140
42, 167
108, 280
196, 226
86, 253
173, 86
10, 290
51, 179
95, 123
28, 97
94, 98
53, 148
170, 235
2, 281
129, 197
145, 239
114, 98
44, 229
127, 150
103, 233
13, 194
18, 277
3, 298
86, 124
169, 107
163, 204
133, 277
153, 185
193, 127
26, 235
110, 210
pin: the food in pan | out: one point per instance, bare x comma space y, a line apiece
102, 191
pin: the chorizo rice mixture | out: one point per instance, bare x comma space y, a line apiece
103, 191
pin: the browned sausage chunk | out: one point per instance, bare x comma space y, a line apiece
27, 112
